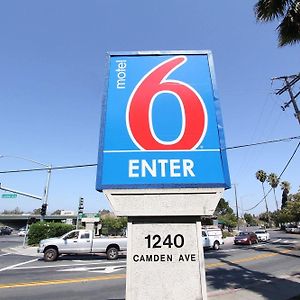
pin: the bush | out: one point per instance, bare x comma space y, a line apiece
226, 234
113, 225
45, 230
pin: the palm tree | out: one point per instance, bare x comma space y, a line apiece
286, 187
261, 175
288, 14
273, 181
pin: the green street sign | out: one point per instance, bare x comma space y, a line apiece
9, 195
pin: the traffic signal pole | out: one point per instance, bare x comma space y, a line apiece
45, 196
80, 211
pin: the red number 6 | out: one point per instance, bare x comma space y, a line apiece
139, 109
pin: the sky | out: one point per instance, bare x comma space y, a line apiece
52, 72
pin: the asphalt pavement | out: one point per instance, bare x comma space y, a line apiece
255, 284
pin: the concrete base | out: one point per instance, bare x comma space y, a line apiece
165, 259
164, 202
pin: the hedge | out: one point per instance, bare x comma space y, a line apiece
44, 230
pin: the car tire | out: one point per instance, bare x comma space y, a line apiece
50, 254
216, 245
112, 253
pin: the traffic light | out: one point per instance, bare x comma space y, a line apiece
43, 209
80, 206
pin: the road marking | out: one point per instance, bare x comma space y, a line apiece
61, 281
123, 276
16, 265
106, 270
69, 265
246, 259
4, 254
109, 269
276, 241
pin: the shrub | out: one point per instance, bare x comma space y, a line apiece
226, 234
45, 230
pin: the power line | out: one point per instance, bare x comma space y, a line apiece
94, 165
52, 168
264, 142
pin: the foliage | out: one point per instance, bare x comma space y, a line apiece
225, 214
287, 12
15, 211
273, 180
112, 225
261, 175
37, 211
223, 208
285, 185
44, 230
226, 234
250, 219
290, 213
265, 217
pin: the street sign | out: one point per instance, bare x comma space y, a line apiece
161, 124
9, 196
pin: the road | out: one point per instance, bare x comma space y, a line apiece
255, 272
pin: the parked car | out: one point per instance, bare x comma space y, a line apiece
292, 229
79, 242
212, 238
246, 238
22, 232
262, 235
5, 230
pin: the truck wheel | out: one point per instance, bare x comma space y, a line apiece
216, 245
112, 253
50, 254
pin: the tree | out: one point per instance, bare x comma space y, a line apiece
225, 214
223, 208
250, 219
15, 211
261, 175
286, 187
37, 211
288, 14
113, 225
273, 180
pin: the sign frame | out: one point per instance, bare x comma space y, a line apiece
100, 186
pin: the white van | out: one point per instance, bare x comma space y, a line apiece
212, 237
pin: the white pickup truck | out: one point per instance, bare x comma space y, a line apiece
212, 237
80, 242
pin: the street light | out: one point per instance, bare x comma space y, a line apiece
46, 189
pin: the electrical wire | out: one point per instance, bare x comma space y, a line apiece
264, 142
94, 165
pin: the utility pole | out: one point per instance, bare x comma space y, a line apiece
289, 82
237, 208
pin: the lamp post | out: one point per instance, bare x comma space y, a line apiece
46, 189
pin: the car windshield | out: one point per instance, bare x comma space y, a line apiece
260, 231
244, 233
